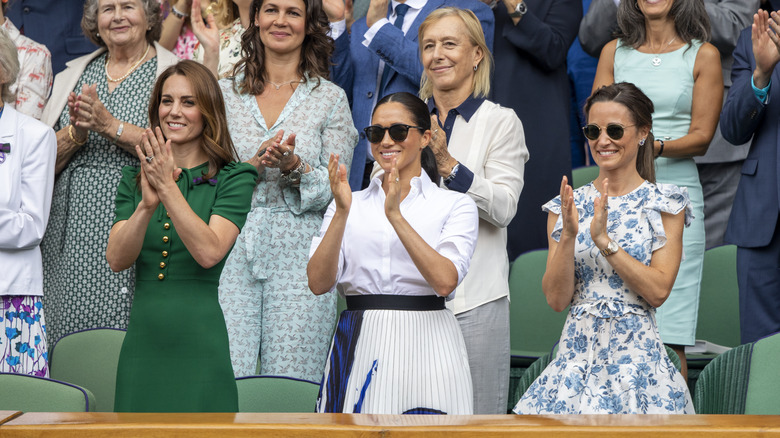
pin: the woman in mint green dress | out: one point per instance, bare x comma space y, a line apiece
662, 51
188, 200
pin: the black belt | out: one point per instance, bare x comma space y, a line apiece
395, 302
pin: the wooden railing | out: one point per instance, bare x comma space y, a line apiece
121, 425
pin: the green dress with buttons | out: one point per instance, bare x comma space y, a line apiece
175, 356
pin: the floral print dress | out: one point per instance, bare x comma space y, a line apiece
610, 357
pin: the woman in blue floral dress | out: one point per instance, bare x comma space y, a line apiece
615, 248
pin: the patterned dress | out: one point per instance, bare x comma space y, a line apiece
610, 357
81, 291
229, 49
264, 289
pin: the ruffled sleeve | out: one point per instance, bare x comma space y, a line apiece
666, 198
234, 192
126, 200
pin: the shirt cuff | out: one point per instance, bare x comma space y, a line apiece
337, 28
372, 31
462, 180
761, 93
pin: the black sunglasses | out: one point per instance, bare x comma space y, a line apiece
398, 132
614, 131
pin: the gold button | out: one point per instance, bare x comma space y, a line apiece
161, 276
162, 265
165, 253
165, 239
167, 226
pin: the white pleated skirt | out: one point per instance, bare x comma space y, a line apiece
397, 362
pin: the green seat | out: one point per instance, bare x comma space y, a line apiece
583, 175
89, 359
276, 394
534, 326
20, 392
743, 380
719, 304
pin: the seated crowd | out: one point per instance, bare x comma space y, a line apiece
211, 176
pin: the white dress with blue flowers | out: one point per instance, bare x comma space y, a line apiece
610, 357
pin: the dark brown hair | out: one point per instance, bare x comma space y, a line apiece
315, 52
641, 109
217, 143
691, 22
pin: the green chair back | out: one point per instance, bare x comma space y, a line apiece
673, 357
534, 326
718, 320
583, 175
763, 389
722, 385
276, 394
89, 359
20, 392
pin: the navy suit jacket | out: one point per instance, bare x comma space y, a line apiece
755, 212
55, 24
356, 67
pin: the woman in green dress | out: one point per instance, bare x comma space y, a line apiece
189, 199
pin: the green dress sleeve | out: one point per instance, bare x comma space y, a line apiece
127, 194
236, 184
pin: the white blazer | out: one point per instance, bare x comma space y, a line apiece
26, 183
492, 145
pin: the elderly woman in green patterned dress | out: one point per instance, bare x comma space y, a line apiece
98, 109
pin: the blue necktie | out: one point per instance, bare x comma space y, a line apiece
400, 12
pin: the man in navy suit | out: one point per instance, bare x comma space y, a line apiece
380, 57
55, 24
753, 109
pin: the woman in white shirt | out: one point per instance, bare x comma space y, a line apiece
27, 153
480, 151
396, 250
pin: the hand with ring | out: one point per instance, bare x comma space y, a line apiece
281, 154
444, 161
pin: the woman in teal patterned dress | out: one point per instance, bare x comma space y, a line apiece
615, 247
189, 200
662, 51
98, 109
286, 119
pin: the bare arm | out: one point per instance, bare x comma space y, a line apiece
705, 111
558, 280
323, 264
172, 25
437, 270
605, 71
654, 282
208, 243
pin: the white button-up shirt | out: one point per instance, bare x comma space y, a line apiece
372, 259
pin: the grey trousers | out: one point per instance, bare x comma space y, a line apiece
719, 183
486, 332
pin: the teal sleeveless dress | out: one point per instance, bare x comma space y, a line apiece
670, 87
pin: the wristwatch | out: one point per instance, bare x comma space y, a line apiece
520, 10
453, 174
294, 176
611, 248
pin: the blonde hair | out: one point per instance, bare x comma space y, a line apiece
481, 83
9, 66
225, 13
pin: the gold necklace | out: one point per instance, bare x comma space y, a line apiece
279, 86
132, 69
656, 61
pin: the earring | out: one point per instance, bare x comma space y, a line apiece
642, 142
475, 67
97, 34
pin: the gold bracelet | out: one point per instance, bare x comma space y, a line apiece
73, 137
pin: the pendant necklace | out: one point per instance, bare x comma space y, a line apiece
279, 86
656, 61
